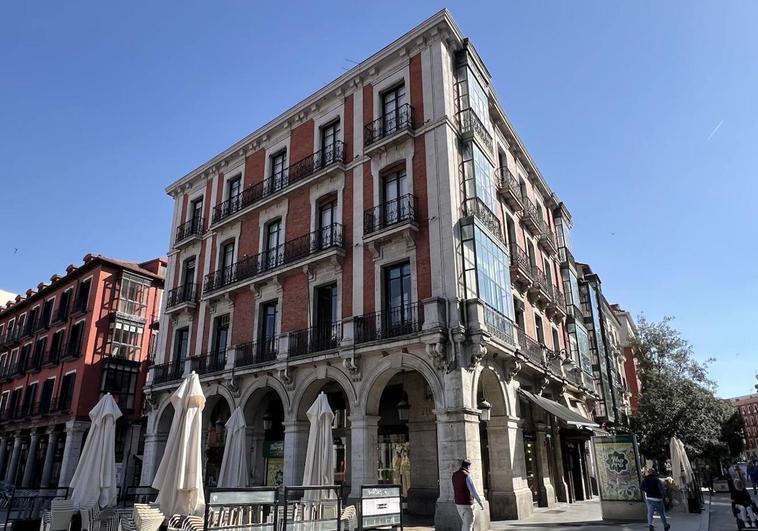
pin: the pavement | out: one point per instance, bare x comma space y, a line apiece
586, 516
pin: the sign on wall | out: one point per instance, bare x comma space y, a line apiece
618, 467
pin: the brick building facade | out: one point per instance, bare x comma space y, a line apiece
390, 242
62, 346
748, 407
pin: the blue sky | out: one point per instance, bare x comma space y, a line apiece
642, 115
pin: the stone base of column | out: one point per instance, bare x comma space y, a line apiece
547, 496
446, 517
513, 505
561, 491
422, 501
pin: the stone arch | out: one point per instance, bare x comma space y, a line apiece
309, 387
262, 384
387, 368
164, 414
491, 375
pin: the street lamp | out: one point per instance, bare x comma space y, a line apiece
485, 410
402, 409
268, 421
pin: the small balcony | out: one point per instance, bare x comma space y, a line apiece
393, 323
400, 211
209, 362
182, 297
475, 207
566, 257
509, 189
168, 372
389, 129
499, 325
531, 217
314, 340
546, 239
59, 405
531, 349
256, 352
16, 368
295, 251
189, 231
473, 128
556, 307
521, 267
72, 351
541, 290
315, 165
52, 357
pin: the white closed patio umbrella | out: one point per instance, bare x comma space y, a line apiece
234, 471
319, 458
179, 479
94, 480
681, 469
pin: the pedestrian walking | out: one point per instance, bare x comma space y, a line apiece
744, 504
655, 492
752, 471
465, 494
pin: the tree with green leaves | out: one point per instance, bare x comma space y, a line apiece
677, 397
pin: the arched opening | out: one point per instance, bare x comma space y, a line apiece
404, 403
264, 418
340, 405
495, 445
215, 415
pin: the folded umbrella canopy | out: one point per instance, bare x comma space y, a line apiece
179, 479
94, 479
681, 469
319, 457
234, 471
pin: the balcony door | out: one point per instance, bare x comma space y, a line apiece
225, 262
326, 220
233, 191
394, 188
188, 277
273, 248
196, 215
392, 104
329, 137
220, 341
325, 330
278, 171
181, 345
398, 317
267, 331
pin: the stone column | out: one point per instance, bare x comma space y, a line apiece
544, 486
363, 452
31, 459
561, 489
256, 438
3, 452
155, 443
507, 497
457, 438
74, 439
10, 474
47, 468
295, 447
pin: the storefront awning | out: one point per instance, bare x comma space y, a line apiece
559, 410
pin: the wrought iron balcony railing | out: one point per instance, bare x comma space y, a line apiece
476, 207
315, 242
394, 322
530, 348
73, 350
168, 372
310, 165
470, 123
256, 352
60, 404
401, 119
401, 210
510, 189
500, 325
193, 227
186, 293
541, 282
519, 259
34, 362
209, 362
315, 339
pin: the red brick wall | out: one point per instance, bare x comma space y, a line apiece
299, 208
301, 141
423, 265
347, 213
255, 165
244, 317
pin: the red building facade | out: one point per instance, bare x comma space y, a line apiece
62, 346
748, 407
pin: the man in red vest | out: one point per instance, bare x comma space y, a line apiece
465, 493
